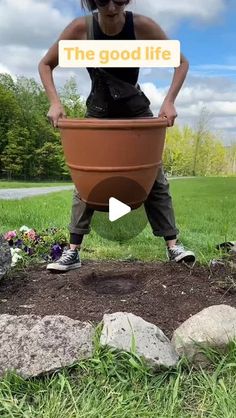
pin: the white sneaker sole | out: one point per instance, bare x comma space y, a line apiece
59, 267
188, 256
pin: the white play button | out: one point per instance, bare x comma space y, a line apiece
117, 209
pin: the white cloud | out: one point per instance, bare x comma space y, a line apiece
5, 69
81, 75
170, 12
211, 94
37, 23
219, 104
22, 59
30, 23
214, 70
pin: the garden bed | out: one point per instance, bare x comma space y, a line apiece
165, 294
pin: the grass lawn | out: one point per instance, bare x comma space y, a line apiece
111, 385
4, 184
204, 209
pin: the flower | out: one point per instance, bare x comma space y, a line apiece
31, 234
49, 244
24, 228
15, 255
9, 235
56, 251
18, 243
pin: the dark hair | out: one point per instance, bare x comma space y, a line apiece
89, 4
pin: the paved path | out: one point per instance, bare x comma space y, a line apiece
13, 194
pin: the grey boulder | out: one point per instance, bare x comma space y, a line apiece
31, 345
122, 329
5, 256
214, 327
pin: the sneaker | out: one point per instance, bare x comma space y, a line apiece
69, 260
179, 254
229, 246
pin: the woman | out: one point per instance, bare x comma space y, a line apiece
113, 22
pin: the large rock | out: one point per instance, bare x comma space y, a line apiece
150, 342
31, 345
212, 327
5, 256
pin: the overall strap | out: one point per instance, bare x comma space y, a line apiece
89, 23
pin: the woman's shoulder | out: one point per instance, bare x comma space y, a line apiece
77, 28
142, 20
147, 28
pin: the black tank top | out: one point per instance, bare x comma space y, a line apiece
130, 75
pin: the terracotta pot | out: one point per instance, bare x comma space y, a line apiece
113, 157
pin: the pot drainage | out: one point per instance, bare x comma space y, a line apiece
113, 283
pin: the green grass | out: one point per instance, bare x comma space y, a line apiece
5, 184
119, 385
204, 209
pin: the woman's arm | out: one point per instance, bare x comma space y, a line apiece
74, 30
149, 29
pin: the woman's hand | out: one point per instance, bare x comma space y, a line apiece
168, 110
55, 112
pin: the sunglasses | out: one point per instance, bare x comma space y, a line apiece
103, 3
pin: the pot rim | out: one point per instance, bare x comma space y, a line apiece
129, 123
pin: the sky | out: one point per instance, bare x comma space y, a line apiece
205, 29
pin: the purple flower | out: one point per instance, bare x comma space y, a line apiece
30, 251
18, 243
56, 251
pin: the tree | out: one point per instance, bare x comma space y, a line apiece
9, 115
178, 151
71, 100
231, 159
7, 82
13, 157
201, 132
49, 162
211, 156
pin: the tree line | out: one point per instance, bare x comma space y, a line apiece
30, 148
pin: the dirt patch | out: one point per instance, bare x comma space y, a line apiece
165, 294
109, 283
